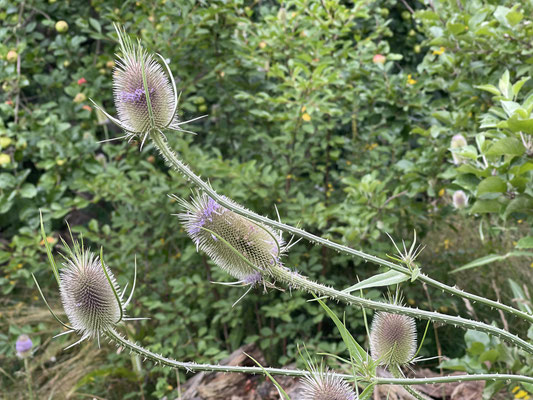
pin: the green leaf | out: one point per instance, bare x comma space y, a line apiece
518, 85
479, 262
489, 88
508, 146
278, 386
456, 28
472, 336
470, 169
95, 24
490, 355
503, 84
525, 243
485, 206
522, 203
509, 107
7, 181
454, 364
28, 191
516, 124
519, 296
357, 353
385, 279
492, 184
492, 258
514, 17
365, 394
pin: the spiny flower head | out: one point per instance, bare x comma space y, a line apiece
88, 296
460, 199
322, 384
457, 142
393, 338
228, 237
144, 95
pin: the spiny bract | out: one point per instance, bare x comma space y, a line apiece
323, 385
86, 293
393, 338
206, 222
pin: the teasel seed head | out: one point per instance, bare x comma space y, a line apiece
133, 98
322, 384
88, 296
460, 199
227, 237
393, 339
457, 142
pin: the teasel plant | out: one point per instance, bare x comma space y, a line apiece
228, 240
95, 308
133, 80
146, 99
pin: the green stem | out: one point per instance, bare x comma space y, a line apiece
194, 367
174, 161
28, 379
177, 164
298, 281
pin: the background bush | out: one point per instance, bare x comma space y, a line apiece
301, 115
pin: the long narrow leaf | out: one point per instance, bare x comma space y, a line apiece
385, 279
356, 351
520, 297
492, 258
278, 386
49, 250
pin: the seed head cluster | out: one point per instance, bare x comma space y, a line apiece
323, 385
460, 199
87, 296
131, 96
393, 338
457, 142
207, 222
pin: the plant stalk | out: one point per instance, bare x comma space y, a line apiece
28, 378
194, 367
169, 155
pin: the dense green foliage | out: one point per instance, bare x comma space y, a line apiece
339, 114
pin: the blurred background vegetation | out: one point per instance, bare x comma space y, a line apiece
339, 113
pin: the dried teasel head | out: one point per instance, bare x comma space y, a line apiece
322, 384
144, 91
88, 290
393, 339
232, 241
88, 295
139, 82
457, 142
460, 199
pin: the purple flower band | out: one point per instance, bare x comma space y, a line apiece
134, 97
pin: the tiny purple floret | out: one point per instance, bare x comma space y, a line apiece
206, 214
252, 279
133, 97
